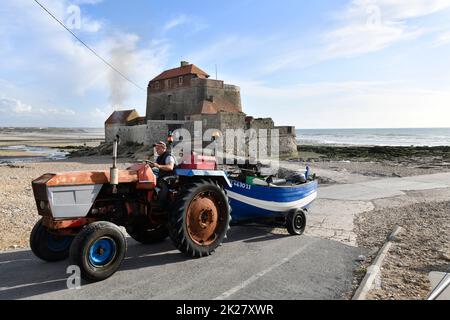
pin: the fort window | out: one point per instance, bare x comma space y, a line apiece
169, 83
162, 117
175, 116
180, 81
169, 98
289, 130
157, 85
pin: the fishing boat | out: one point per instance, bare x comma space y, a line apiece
281, 200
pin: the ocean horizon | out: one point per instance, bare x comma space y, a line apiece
398, 137
401, 137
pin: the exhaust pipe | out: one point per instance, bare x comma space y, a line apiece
114, 171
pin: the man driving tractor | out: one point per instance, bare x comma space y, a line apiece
165, 163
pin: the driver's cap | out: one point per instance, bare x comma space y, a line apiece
161, 144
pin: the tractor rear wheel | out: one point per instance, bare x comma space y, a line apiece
47, 246
147, 235
98, 250
200, 219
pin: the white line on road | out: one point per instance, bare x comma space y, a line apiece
14, 251
30, 285
255, 277
11, 261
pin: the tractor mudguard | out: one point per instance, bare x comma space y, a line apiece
221, 175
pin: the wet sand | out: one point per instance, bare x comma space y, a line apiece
15, 143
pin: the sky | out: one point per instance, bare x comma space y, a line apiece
312, 64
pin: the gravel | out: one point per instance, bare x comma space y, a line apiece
17, 207
381, 169
422, 247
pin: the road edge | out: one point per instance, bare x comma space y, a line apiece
373, 272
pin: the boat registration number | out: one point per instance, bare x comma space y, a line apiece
241, 185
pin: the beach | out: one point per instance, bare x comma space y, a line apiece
37, 144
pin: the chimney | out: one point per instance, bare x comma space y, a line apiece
184, 63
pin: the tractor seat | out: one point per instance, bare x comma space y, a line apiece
169, 180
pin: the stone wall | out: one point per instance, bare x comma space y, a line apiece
288, 140
148, 134
186, 101
134, 134
111, 132
262, 123
158, 130
155, 131
182, 102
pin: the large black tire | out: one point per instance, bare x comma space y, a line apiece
98, 250
146, 235
47, 246
296, 222
200, 219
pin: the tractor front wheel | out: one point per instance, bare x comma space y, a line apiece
48, 246
98, 250
200, 219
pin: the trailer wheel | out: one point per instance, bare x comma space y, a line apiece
296, 222
98, 250
47, 246
200, 219
148, 235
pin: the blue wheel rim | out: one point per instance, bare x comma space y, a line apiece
102, 252
57, 243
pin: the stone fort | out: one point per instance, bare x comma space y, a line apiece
183, 97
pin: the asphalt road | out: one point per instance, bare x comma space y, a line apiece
252, 264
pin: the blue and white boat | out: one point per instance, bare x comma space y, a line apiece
254, 202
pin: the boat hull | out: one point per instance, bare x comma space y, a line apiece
251, 202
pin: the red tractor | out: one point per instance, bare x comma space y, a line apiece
82, 211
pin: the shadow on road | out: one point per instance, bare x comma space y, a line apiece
22, 275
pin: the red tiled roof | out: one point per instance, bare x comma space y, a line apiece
181, 71
119, 116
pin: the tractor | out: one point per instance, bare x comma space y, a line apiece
82, 212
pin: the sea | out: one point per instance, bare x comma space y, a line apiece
431, 137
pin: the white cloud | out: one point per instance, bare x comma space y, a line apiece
442, 39
14, 105
91, 2
11, 105
91, 26
56, 69
372, 25
60, 112
400, 10
177, 21
362, 27
349, 104
195, 24
101, 114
